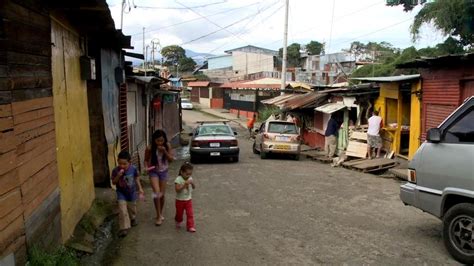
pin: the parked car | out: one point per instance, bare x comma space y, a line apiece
277, 136
186, 104
214, 139
441, 180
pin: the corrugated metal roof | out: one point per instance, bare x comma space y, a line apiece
303, 101
150, 79
330, 107
425, 62
278, 99
389, 79
199, 84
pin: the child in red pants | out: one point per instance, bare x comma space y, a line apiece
184, 187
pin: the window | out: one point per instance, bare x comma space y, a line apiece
462, 131
212, 130
282, 128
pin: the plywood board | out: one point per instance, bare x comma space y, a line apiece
359, 135
374, 165
356, 149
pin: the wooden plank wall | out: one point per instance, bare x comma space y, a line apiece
29, 194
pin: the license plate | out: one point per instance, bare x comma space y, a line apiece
282, 147
279, 138
214, 144
215, 154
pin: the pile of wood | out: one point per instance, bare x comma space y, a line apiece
357, 146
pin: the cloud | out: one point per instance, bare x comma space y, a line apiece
364, 20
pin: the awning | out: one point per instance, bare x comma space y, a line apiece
390, 79
303, 101
277, 99
330, 107
199, 84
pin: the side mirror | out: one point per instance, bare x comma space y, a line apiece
434, 135
235, 133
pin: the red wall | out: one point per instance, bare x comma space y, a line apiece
217, 103
247, 114
313, 139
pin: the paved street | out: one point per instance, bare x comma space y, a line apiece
281, 211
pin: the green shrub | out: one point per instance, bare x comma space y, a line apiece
266, 112
59, 257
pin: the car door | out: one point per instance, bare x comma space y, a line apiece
449, 164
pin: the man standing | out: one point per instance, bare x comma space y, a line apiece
373, 134
331, 137
251, 123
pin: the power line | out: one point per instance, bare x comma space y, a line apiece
194, 19
245, 26
212, 22
223, 28
180, 8
332, 23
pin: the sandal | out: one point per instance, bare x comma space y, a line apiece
158, 222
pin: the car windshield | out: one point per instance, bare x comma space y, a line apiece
207, 130
282, 128
185, 101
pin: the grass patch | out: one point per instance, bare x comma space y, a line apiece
95, 216
60, 256
266, 112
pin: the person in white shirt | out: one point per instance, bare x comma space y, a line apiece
373, 134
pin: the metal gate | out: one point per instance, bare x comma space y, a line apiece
227, 99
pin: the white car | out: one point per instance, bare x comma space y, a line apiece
186, 104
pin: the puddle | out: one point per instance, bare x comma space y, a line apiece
103, 239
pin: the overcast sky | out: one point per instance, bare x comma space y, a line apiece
260, 23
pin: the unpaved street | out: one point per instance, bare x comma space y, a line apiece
281, 211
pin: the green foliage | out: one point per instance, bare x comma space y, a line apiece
294, 57
201, 77
407, 4
315, 48
265, 112
172, 54
59, 257
186, 64
452, 17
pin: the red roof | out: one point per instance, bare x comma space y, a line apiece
199, 84
248, 85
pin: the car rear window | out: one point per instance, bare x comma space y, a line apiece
209, 130
185, 101
282, 128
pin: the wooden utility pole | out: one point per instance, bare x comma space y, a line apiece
285, 52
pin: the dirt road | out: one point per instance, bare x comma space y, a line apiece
279, 211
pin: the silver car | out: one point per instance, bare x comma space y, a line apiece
277, 137
212, 140
441, 180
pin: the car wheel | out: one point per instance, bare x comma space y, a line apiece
193, 159
296, 157
263, 155
235, 159
254, 148
458, 231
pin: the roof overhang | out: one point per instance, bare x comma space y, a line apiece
389, 79
331, 107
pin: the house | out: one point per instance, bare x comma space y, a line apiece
207, 94
240, 62
46, 178
446, 82
399, 105
166, 114
326, 69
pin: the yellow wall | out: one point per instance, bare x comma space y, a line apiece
74, 156
391, 91
415, 121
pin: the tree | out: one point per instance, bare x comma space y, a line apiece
407, 4
294, 57
172, 54
452, 17
315, 48
186, 64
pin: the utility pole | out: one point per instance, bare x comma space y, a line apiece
121, 15
144, 45
285, 52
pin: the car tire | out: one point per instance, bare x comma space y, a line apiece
235, 159
296, 157
263, 155
254, 148
193, 159
456, 217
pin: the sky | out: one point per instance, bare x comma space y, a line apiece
213, 26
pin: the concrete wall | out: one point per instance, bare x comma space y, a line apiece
72, 128
219, 62
248, 63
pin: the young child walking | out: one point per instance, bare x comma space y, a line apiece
157, 158
126, 178
184, 186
